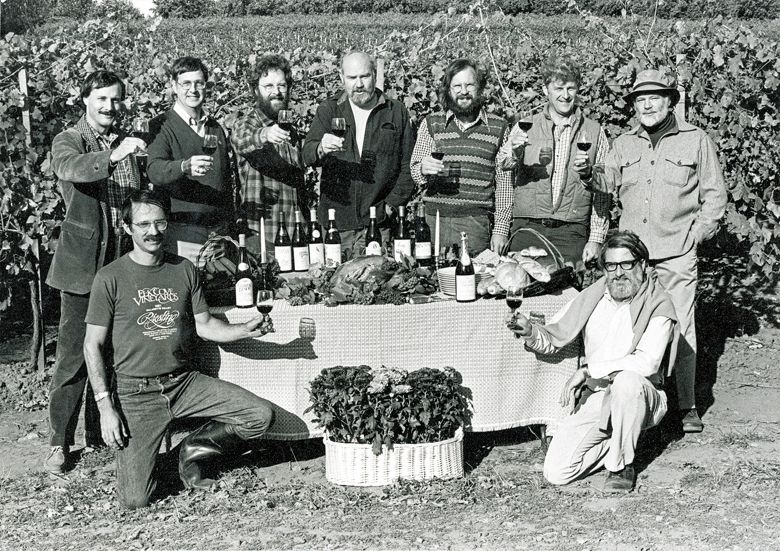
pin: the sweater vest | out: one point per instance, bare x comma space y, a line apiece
475, 149
533, 181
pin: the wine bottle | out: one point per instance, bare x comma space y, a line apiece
300, 247
465, 280
332, 241
316, 247
245, 292
422, 238
373, 236
402, 244
283, 247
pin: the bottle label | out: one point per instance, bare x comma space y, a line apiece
315, 233
301, 258
284, 258
373, 248
465, 288
244, 293
316, 253
423, 250
402, 246
333, 254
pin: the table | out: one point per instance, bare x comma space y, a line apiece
510, 385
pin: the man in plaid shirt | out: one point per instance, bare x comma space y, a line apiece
270, 163
552, 194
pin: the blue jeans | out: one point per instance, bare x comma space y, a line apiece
149, 404
69, 378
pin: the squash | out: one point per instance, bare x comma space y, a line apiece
511, 276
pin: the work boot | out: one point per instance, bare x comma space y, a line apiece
210, 441
691, 422
621, 481
56, 461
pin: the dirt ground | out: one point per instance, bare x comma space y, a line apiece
716, 490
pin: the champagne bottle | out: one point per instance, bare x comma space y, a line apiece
316, 247
245, 292
402, 244
423, 251
283, 247
332, 241
300, 248
465, 280
373, 237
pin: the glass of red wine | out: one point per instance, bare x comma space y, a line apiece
583, 143
264, 301
437, 153
141, 131
210, 144
285, 120
514, 299
525, 121
338, 126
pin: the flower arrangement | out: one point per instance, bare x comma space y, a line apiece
389, 406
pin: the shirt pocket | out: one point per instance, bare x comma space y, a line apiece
677, 169
387, 141
630, 171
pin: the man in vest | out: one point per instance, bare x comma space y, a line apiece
550, 196
666, 174
466, 185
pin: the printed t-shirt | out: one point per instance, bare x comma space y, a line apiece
149, 311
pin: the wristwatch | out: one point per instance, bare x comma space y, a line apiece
102, 395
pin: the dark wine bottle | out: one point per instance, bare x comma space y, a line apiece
316, 246
245, 292
373, 236
332, 241
300, 247
402, 243
283, 247
465, 279
422, 238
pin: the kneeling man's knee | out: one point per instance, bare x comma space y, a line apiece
556, 470
258, 425
627, 384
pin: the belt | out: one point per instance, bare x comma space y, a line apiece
551, 222
162, 379
198, 218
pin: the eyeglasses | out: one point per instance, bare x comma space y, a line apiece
187, 84
268, 88
626, 265
160, 225
469, 87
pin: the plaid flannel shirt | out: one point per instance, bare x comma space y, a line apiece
270, 174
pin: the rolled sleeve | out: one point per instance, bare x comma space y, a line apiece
422, 149
504, 196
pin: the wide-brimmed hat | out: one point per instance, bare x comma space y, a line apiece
652, 80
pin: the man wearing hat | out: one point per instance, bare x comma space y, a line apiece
666, 175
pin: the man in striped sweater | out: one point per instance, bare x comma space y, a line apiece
465, 186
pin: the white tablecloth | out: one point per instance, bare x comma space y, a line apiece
510, 386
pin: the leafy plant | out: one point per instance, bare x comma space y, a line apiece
389, 406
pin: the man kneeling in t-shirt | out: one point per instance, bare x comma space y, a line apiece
152, 304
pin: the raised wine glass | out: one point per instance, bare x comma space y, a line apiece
525, 120
583, 143
141, 131
338, 126
210, 143
285, 120
436, 152
265, 302
514, 298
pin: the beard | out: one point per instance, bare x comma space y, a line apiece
472, 109
268, 108
623, 287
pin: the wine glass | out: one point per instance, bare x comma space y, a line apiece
285, 120
436, 152
338, 126
525, 120
514, 299
141, 131
546, 154
210, 143
583, 143
265, 302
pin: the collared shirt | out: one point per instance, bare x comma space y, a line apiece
198, 125
600, 211
608, 336
673, 196
503, 178
271, 174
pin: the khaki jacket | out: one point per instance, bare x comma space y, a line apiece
673, 197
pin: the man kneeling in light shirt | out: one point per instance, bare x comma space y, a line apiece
627, 322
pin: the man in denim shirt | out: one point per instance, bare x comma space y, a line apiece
666, 175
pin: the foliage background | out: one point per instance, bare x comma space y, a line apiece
731, 73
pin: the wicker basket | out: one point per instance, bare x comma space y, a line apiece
356, 464
561, 278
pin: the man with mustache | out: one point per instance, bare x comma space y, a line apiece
94, 163
627, 322
150, 304
199, 183
549, 194
369, 165
269, 162
666, 175
467, 187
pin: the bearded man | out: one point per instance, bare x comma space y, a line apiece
667, 176
627, 322
466, 186
270, 164
369, 165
